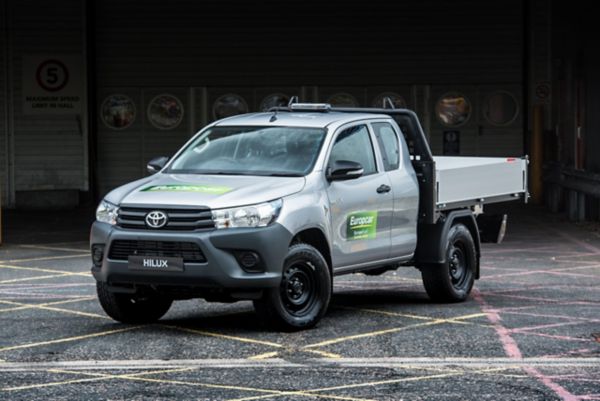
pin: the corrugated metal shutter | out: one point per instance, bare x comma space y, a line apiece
49, 150
123, 153
321, 48
334, 43
3, 89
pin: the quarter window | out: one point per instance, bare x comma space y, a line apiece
388, 142
354, 144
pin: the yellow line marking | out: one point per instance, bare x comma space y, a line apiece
74, 381
392, 330
18, 280
167, 381
68, 339
81, 255
253, 341
372, 384
302, 393
322, 353
390, 381
411, 316
52, 248
271, 393
39, 269
369, 334
44, 307
97, 377
266, 355
273, 354
226, 336
30, 306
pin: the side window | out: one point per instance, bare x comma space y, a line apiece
388, 142
354, 144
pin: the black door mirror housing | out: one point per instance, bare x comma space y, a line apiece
157, 164
342, 170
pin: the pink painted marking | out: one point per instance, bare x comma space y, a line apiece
510, 346
560, 391
569, 318
576, 351
555, 337
544, 326
546, 300
512, 350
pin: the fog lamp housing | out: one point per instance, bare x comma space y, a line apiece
97, 255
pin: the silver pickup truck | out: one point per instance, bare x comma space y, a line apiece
271, 206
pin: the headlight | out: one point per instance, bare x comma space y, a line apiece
107, 212
248, 216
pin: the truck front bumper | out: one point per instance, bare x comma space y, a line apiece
221, 267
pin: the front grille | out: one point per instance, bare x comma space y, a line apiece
189, 251
178, 219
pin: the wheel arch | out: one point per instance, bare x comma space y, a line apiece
432, 238
315, 237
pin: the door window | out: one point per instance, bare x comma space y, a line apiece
354, 144
388, 142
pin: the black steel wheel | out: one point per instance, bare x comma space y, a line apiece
453, 280
303, 295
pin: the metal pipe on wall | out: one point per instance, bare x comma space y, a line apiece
537, 155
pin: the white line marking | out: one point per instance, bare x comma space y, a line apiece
53, 248
277, 362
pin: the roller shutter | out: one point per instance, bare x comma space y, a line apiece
208, 49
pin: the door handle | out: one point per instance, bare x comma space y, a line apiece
383, 189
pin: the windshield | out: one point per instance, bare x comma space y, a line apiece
285, 151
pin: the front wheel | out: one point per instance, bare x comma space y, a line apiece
453, 280
127, 308
302, 298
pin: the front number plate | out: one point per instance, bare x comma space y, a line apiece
156, 263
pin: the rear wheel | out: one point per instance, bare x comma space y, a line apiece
302, 298
127, 308
453, 280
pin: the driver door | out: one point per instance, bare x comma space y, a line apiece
361, 208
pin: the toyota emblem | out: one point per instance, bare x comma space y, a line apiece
156, 219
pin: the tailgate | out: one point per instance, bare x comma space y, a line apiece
463, 181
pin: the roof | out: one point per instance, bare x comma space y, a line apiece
298, 118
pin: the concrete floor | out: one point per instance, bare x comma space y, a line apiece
530, 331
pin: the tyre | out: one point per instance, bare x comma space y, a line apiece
452, 281
127, 308
302, 298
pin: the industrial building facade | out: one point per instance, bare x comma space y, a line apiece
91, 90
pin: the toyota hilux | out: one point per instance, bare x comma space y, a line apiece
269, 207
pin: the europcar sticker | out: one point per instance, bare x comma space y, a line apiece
361, 225
207, 189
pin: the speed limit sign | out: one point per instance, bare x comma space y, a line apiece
52, 75
53, 84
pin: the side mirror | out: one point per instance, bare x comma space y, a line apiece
344, 170
157, 164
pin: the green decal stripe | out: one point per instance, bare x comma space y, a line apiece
361, 225
207, 189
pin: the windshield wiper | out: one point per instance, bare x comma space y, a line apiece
285, 175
